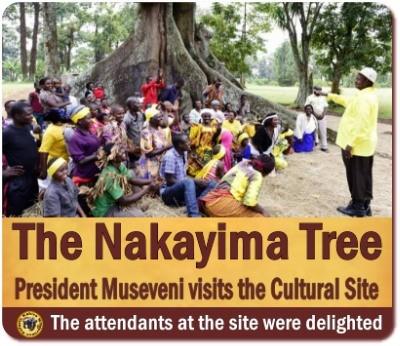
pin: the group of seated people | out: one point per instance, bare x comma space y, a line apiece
93, 159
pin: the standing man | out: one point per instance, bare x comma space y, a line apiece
319, 104
357, 136
20, 162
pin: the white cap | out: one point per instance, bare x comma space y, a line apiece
369, 73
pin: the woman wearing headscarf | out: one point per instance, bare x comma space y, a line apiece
154, 142
61, 196
83, 148
117, 189
266, 135
201, 142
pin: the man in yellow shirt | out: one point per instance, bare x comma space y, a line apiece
357, 136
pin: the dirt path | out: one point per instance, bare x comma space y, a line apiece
314, 184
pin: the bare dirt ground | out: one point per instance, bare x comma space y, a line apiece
314, 184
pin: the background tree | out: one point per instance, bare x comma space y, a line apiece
111, 27
22, 40
10, 43
352, 35
33, 55
166, 36
71, 18
285, 71
230, 44
52, 60
264, 69
299, 20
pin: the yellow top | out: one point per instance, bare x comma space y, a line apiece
250, 129
235, 127
358, 126
245, 183
210, 165
53, 142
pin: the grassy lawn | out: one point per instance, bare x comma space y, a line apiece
287, 95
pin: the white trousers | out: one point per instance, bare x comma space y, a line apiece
323, 133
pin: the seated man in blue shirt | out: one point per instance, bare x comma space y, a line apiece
179, 189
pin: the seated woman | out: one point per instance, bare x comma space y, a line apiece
201, 143
282, 148
83, 148
114, 193
266, 135
214, 169
237, 193
304, 134
61, 196
154, 142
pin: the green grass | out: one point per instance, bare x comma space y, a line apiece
286, 96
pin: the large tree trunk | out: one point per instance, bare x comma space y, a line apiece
336, 77
307, 13
52, 59
22, 40
167, 37
32, 64
303, 87
69, 49
98, 49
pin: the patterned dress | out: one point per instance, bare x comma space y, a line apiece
151, 139
200, 137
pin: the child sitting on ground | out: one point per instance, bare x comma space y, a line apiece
61, 196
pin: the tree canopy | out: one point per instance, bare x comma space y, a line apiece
352, 35
236, 34
329, 39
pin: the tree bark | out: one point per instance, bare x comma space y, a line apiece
52, 59
166, 37
32, 64
69, 49
336, 77
301, 57
98, 50
22, 41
